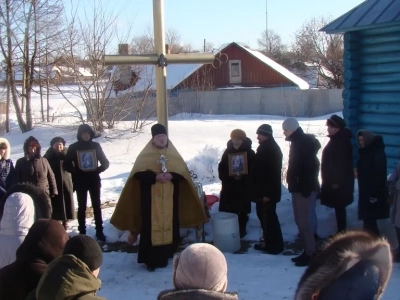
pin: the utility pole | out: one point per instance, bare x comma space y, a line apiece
266, 18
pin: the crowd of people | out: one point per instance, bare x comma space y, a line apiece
262, 179
38, 260
57, 174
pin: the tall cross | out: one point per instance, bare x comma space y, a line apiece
163, 160
160, 59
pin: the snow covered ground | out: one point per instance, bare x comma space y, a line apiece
200, 141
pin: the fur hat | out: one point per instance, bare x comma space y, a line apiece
238, 134
336, 121
32, 141
200, 266
56, 140
158, 129
86, 249
354, 265
265, 130
290, 124
5, 145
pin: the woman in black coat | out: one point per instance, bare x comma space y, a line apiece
235, 192
372, 177
337, 173
63, 203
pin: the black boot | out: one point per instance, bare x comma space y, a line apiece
260, 246
243, 219
100, 235
303, 261
299, 257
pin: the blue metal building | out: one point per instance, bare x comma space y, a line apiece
371, 97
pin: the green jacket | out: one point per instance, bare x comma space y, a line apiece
67, 277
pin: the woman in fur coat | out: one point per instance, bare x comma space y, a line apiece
63, 204
6, 167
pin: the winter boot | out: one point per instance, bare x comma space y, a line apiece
260, 246
100, 235
303, 261
299, 257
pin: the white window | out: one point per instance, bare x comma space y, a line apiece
235, 72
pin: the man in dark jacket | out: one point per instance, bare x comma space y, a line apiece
301, 184
337, 170
45, 241
266, 174
85, 175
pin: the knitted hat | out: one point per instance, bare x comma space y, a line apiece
265, 130
336, 121
57, 139
200, 266
290, 124
238, 134
86, 249
158, 129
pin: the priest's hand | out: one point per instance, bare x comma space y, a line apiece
161, 178
168, 176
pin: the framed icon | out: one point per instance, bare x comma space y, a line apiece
87, 160
238, 164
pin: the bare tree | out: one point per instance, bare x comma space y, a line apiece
88, 38
144, 44
21, 21
324, 50
271, 45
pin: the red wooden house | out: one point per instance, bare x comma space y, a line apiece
240, 67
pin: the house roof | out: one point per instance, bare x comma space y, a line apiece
369, 14
302, 84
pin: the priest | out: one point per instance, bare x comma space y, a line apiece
157, 200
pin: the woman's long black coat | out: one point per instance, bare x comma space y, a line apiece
337, 173
235, 193
372, 177
63, 203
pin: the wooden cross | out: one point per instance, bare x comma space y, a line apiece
163, 160
160, 59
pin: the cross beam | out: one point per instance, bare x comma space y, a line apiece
160, 59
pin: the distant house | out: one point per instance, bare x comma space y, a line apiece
311, 73
371, 59
239, 66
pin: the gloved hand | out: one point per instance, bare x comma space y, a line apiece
306, 194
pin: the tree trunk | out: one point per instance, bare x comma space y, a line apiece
8, 103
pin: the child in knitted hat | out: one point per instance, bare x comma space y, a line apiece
200, 269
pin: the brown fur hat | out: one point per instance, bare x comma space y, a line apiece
238, 134
333, 266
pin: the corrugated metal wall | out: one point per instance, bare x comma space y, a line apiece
371, 97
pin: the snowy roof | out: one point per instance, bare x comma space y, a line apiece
302, 84
84, 72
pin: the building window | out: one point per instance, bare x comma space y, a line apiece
235, 72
